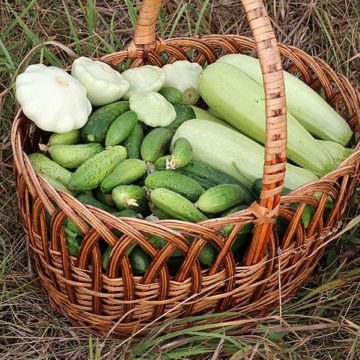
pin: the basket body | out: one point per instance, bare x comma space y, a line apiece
121, 302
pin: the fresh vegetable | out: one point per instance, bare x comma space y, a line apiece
152, 109
90, 174
308, 107
73, 244
65, 109
181, 154
72, 156
159, 243
171, 94
179, 183
69, 138
175, 205
133, 142
127, 172
183, 113
338, 152
202, 114
130, 197
121, 128
104, 198
99, 122
184, 76
90, 200
47, 167
240, 101
228, 228
233, 153
164, 163
155, 144
127, 213
139, 260
144, 79
56, 184
103, 84
220, 198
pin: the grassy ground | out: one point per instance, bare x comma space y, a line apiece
322, 322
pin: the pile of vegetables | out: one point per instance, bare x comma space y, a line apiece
136, 144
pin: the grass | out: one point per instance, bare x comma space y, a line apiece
321, 322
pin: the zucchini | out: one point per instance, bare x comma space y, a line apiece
171, 94
90, 174
72, 156
183, 113
69, 138
176, 206
133, 142
179, 183
181, 154
220, 198
121, 128
202, 114
130, 197
155, 144
125, 173
99, 121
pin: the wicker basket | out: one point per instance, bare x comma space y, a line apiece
273, 268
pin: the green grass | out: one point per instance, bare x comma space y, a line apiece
321, 322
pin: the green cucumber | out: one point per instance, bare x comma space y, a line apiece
177, 206
139, 260
56, 184
162, 215
183, 113
133, 142
220, 198
163, 163
90, 200
104, 198
72, 227
159, 243
125, 173
69, 138
73, 244
126, 213
48, 167
182, 153
99, 121
171, 94
228, 228
155, 144
179, 183
72, 156
130, 197
121, 128
207, 255
94, 170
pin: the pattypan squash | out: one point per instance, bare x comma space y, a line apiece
152, 109
103, 84
54, 100
184, 76
144, 79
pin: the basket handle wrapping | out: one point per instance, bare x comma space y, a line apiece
266, 210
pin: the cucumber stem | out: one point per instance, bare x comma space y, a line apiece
44, 147
131, 202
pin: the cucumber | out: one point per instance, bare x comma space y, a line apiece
69, 138
127, 213
220, 198
183, 113
72, 156
171, 94
139, 260
162, 215
164, 163
90, 200
104, 198
56, 184
73, 244
133, 142
72, 227
160, 243
207, 255
125, 173
106, 256
99, 121
130, 197
48, 167
182, 153
155, 144
121, 128
94, 170
228, 228
176, 206
179, 183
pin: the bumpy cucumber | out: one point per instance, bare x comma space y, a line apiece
125, 173
183, 113
121, 128
228, 228
99, 121
73, 244
162, 215
160, 243
69, 138
90, 174
155, 144
130, 197
47, 167
56, 184
133, 142
179, 183
126, 213
139, 260
164, 163
171, 94
90, 200
72, 156
182, 153
176, 206
220, 198
104, 198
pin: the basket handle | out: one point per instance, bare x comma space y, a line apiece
276, 119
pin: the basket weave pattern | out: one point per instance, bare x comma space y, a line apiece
82, 292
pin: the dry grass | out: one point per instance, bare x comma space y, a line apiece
322, 322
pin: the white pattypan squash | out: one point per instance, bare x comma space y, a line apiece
152, 109
144, 79
103, 84
52, 99
184, 76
